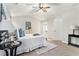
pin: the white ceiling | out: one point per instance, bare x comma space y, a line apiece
24, 9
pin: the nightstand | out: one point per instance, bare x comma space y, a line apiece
73, 40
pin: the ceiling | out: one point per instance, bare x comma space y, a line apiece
24, 9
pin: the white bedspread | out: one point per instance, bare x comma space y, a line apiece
30, 42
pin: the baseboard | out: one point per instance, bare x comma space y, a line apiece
58, 39
65, 42
52, 38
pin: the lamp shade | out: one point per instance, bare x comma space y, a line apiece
72, 27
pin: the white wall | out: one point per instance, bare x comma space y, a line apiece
61, 26
6, 24
20, 22
55, 29
69, 20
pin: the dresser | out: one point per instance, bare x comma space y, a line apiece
73, 39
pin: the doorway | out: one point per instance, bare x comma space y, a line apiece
44, 28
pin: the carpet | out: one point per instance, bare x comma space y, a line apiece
45, 48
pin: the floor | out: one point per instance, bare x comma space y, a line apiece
61, 50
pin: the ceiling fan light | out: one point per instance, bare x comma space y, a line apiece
44, 10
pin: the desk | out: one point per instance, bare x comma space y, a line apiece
69, 39
10, 45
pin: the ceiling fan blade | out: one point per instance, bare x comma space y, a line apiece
35, 10
46, 7
40, 5
38, 10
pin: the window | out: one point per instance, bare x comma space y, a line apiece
45, 28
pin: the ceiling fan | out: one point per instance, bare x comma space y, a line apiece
42, 6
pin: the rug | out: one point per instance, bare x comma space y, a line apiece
45, 48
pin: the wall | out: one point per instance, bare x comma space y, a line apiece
60, 26
70, 19
20, 22
55, 29
6, 24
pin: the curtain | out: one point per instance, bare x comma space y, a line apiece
2, 12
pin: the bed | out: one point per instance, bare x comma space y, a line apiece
30, 42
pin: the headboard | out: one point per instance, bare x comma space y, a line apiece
20, 32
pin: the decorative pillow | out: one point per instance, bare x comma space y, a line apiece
36, 34
21, 33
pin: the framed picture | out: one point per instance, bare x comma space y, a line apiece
28, 25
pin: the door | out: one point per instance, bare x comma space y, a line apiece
44, 28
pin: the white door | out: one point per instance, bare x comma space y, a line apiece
44, 28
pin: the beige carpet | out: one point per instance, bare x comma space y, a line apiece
62, 49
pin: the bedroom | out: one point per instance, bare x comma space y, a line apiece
54, 23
